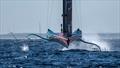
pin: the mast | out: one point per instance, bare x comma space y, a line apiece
67, 18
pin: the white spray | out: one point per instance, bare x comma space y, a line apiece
24, 48
95, 39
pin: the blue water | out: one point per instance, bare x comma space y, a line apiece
43, 54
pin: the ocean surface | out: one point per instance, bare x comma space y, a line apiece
43, 54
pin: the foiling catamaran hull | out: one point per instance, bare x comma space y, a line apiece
59, 38
66, 36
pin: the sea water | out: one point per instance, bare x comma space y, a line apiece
43, 54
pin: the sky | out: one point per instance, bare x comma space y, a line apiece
36, 16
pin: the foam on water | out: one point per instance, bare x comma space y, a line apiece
95, 39
25, 48
79, 45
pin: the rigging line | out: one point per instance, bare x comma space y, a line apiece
52, 4
79, 18
76, 3
81, 14
75, 16
47, 13
39, 23
77, 9
58, 8
61, 16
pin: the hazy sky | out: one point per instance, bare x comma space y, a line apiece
91, 16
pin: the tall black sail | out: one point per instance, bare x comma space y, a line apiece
67, 18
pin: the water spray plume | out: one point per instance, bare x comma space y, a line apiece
90, 47
96, 39
25, 48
